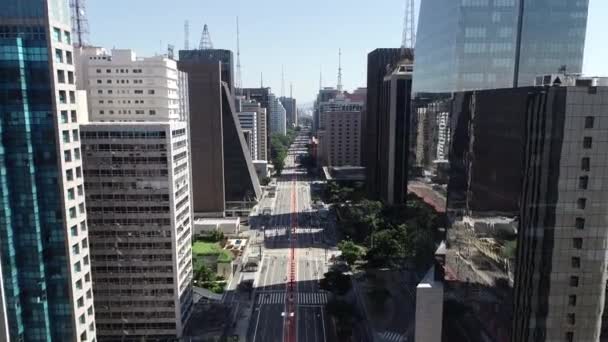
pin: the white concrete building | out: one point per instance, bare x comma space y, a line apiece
249, 122
262, 129
278, 116
122, 87
137, 169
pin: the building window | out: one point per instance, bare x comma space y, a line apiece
69, 175
589, 121
74, 231
67, 156
64, 116
66, 136
75, 136
87, 278
574, 281
577, 243
80, 190
85, 243
56, 34
76, 154
583, 182
79, 284
81, 208
68, 57
587, 142
90, 311
76, 249
85, 260
572, 300
579, 223
581, 203
83, 226
152, 112
77, 267
58, 56
60, 76
82, 319
63, 97
72, 97
569, 336
74, 116
98, 71
576, 262
71, 194
586, 164
70, 77
151, 92
79, 172
108, 71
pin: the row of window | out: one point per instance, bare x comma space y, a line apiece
61, 36
579, 224
121, 71
62, 79
124, 135
126, 147
123, 91
122, 81
63, 57
140, 173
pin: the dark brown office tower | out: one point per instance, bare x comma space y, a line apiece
291, 109
380, 63
213, 56
220, 163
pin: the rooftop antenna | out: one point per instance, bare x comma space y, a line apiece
186, 35
282, 81
320, 77
205, 43
291, 90
261, 80
80, 23
340, 70
408, 39
239, 81
170, 51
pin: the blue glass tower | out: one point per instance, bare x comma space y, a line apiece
43, 239
486, 44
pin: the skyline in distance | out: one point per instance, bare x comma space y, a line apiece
304, 37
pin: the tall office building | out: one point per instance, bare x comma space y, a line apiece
291, 110
278, 116
388, 100
324, 96
339, 132
262, 128
249, 123
379, 63
213, 56
225, 180
468, 45
46, 272
560, 279
137, 178
393, 136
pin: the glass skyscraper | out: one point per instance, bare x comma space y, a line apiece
485, 44
43, 232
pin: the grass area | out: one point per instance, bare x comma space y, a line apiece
212, 248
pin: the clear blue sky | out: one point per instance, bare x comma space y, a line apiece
302, 35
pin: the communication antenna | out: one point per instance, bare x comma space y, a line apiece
320, 77
340, 70
80, 23
261, 80
408, 39
291, 90
282, 81
239, 81
205, 43
186, 35
170, 51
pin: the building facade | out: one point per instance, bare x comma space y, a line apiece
278, 116
468, 45
393, 136
213, 56
137, 169
46, 271
122, 87
339, 132
262, 126
325, 94
249, 122
291, 110
560, 280
380, 62
138, 180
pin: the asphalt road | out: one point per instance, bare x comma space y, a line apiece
294, 252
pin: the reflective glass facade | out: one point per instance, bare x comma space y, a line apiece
485, 44
35, 275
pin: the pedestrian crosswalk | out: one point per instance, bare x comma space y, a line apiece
301, 298
389, 336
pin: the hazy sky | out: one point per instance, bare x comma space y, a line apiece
302, 35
